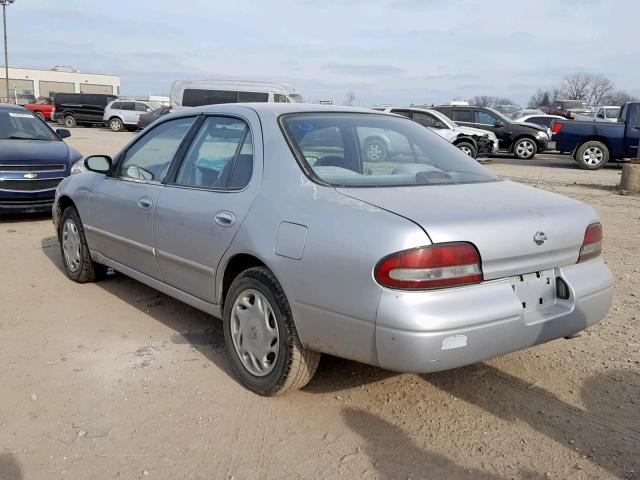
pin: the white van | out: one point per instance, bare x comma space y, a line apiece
187, 93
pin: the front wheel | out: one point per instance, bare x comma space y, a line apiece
525, 149
468, 148
40, 115
261, 337
76, 258
592, 155
116, 124
375, 150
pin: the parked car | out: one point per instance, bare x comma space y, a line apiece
71, 109
147, 119
568, 108
120, 115
195, 93
602, 114
595, 143
33, 160
521, 140
524, 112
471, 141
42, 108
424, 263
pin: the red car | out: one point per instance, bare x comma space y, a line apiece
43, 108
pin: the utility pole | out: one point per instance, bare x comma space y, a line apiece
4, 4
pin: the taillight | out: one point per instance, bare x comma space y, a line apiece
557, 127
592, 244
435, 266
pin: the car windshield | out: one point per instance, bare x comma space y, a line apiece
373, 150
444, 119
19, 125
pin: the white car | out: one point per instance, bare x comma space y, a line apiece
124, 114
472, 141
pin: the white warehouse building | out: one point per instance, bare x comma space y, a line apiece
44, 83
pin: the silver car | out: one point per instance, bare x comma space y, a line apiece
124, 114
270, 217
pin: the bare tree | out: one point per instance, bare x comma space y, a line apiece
350, 98
482, 101
577, 86
619, 98
601, 86
542, 98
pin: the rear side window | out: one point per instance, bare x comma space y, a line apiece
126, 106
462, 115
196, 97
220, 157
149, 158
244, 97
116, 106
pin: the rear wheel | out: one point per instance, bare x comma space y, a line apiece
261, 337
525, 148
468, 148
69, 121
116, 124
75, 253
592, 155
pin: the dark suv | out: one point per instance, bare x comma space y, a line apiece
73, 109
523, 141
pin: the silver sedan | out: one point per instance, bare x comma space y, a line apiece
270, 217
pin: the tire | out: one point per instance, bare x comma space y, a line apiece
116, 124
75, 253
69, 121
592, 155
375, 150
525, 148
39, 115
284, 365
468, 148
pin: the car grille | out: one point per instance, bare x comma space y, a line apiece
54, 167
29, 185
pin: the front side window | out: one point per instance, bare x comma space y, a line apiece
485, 118
277, 98
372, 150
149, 158
220, 157
613, 112
141, 107
427, 120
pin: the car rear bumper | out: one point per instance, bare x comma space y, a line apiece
444, 329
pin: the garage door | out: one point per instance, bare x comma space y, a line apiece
48, 89
92, 88
20, 86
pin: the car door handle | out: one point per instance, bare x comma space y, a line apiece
225, 219
145, 202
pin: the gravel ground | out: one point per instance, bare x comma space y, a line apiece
114, 380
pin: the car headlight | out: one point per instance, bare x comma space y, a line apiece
78, 167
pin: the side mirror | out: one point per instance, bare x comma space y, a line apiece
63, 133
98, 163
498, 124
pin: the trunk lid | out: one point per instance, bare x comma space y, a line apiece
500, 218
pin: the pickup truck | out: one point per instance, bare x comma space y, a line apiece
595, 143
43, 108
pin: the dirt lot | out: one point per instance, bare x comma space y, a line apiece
114, 380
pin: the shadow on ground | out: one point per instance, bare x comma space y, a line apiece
9, 467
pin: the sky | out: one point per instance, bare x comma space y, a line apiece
385, 51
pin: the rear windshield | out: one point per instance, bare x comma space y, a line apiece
372, 150
18, 125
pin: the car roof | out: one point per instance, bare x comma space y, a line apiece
9, 106
276, 108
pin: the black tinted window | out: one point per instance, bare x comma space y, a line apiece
404, 113
126, 106
195, 97
462, 115
427, 120
253, 97
116, 105
141, 107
